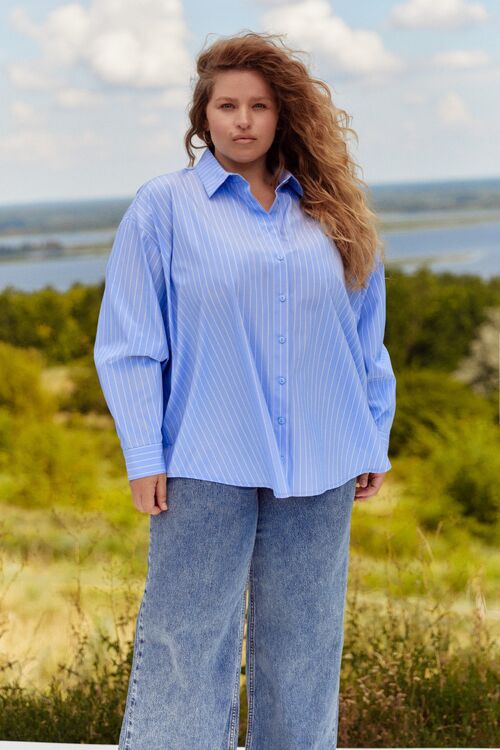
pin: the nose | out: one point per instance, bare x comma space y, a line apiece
242, 118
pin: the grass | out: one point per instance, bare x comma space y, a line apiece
418, 671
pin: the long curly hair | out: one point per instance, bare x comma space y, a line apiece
310, 141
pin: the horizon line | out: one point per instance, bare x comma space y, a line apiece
429, 182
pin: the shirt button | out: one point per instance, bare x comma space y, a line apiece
280, 257
281, 420
282, 297
282, 458
282, 380
282, 339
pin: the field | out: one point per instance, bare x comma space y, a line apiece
420, 663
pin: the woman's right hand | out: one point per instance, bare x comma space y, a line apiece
150, 493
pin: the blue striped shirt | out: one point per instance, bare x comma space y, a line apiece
228, 346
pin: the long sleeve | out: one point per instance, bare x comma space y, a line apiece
131, 346
381, 381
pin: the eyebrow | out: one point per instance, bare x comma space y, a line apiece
234, 100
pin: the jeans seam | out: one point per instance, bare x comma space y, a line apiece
135, 675
250, 667
138, 651
235, 703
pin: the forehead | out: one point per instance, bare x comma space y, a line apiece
235, 98
232, 83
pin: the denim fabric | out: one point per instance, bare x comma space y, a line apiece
213, 542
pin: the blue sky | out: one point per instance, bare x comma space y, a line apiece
94, 92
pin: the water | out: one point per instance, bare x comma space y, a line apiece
60, 273
68, 239
466, 248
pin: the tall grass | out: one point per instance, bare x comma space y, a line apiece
415, 673
418, 673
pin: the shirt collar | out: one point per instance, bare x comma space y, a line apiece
213, 174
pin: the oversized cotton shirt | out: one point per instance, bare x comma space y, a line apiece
228, 346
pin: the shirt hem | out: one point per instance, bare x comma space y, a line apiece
334, 484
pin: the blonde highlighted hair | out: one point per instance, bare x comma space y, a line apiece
310, 141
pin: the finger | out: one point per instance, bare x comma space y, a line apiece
149, 504
376, 480
361, 482
363, 479
161, 492
371, 488
365, 490
147, 500
141, 504
364, 496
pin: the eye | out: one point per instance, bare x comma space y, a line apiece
229, 104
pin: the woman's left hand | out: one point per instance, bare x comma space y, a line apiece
370, 483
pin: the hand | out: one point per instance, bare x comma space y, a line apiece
370, 483
150, 493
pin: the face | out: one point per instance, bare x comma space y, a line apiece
242, 105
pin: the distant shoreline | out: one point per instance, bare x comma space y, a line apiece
441, 221
385, 227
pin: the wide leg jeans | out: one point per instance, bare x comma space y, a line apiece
213, 543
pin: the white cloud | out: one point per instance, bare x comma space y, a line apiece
63, 35
136, 45
74, 98
461, 59
158, 142
23, 23
23, 113
312, 25
452, 111
30, 77
438, 14
174, 98
413, 97
34, 144
150, 119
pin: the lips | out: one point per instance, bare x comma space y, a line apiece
244, 138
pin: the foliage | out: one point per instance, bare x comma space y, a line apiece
21, 390
46, 463
432, 318
407, 680
60, 324
86, 394
427, 398
480, 368
458, 480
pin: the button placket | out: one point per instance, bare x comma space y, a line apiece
281, 358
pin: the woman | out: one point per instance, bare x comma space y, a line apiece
240, 351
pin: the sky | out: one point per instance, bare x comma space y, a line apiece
94, 94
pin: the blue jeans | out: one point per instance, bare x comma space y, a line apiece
213, 542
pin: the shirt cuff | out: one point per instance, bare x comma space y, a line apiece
384, 439
144, 461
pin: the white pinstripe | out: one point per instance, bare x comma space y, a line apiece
188, 349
